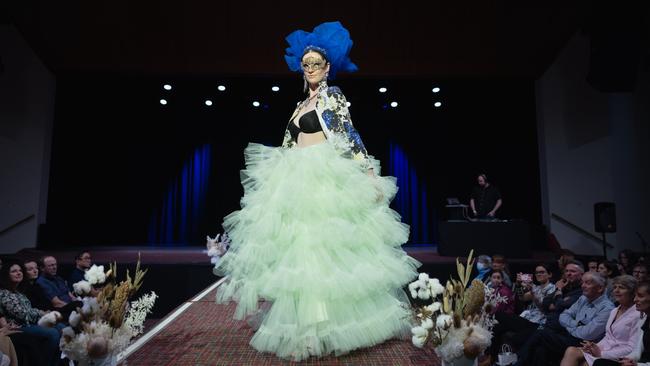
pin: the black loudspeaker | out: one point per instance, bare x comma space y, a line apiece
605, 217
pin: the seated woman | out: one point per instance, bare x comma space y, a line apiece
18, 310
622, 333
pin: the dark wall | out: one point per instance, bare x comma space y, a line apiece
116, 148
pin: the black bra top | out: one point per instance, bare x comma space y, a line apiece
308, 124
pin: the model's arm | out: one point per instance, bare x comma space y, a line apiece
340, 123
471, 204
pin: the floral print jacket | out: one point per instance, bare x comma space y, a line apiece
334, 117
16, 308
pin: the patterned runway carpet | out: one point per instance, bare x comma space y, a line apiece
205, 334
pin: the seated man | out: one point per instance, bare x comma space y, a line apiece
583, 321
54, 286
83, 261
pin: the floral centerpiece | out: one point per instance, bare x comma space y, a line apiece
458, 321
106, 323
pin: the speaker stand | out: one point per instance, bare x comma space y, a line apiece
604, 246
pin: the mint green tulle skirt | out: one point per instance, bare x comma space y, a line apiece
316, 240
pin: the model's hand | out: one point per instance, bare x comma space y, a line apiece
491, 213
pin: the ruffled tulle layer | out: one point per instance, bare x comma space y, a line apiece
316, 237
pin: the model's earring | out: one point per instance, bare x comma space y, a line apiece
304, 86
327, 75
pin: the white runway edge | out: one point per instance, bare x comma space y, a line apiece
160, 326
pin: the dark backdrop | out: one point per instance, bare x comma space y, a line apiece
118, 155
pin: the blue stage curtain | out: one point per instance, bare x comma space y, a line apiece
411, 199
177, 220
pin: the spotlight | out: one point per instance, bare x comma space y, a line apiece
275, 88
393, 104
256, 104
435, 90
437, 104
167, 87
208, 102
163, 101
221, 88
383, 90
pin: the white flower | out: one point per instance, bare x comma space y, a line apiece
424, 293
427, 323
68, 331
49, 319
82, 287
434, 307
436, 287
419, 336
74, 319
95, 275
443, 321
90, 306
418, 341
413, 287
423, 280
138, 312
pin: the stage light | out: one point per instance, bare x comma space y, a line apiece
275, 88
383, 90
163, 101
221, 88
256, 104
435, 90
167, 87
437, 104
393, 104
208, 102
348, 104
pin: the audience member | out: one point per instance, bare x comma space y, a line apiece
483, 266
522, 326
499, 264
83, 261
585, 320
497, 283
18, 310
54, 286
610, 271
640, 272
622, 332
592, 265
640, 356
565, 257
627, 259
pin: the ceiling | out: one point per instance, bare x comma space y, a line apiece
234, 37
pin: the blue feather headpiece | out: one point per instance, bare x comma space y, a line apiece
329, 38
